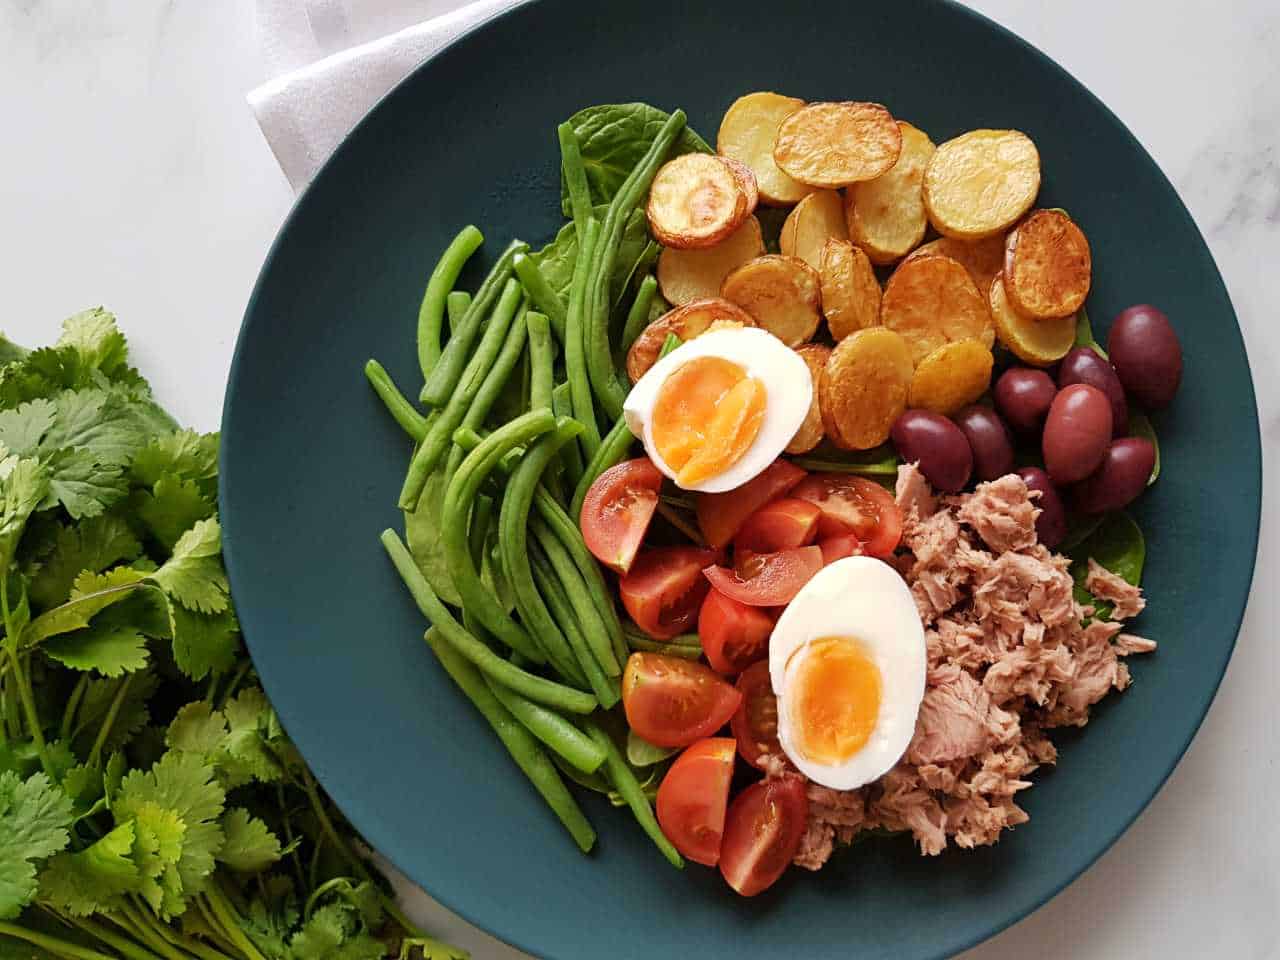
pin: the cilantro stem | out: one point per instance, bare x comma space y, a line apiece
287, 823
179, 940
120, 944
109, 721
326, 825
73, 704
54, 945
239, 675
142, 930
231, 926
215, 928
28, 704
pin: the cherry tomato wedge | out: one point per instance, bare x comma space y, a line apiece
693, 797
779, 525
762, 832
617, 509
755, 725
837, 548
767, 579
672, 702
854, 505
734, 635
721, 515
664, 589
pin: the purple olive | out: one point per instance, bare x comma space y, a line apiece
1123, 475
1051, 525
1076, 433
1083, 365
988, 439
937, 445
1146, 354
1023, 396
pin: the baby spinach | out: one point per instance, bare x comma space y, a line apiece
1116, 544
557, 258
1140, 426
1084, 334
881, 461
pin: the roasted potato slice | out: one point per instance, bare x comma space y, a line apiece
981, 183
835, 144
747, 134
1047, 266
815, 219
886, 216
850, 290
781, 293
686, 322
696, 200
1037, 342
982, 258
686, 275
954, 375
864, 388
932, 301
746, 180
811, 432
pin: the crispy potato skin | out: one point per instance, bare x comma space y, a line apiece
815, 219
886, 216
687, 275
850, 290
984, 259
747, 134
953, 376
686, 322
781, 293
1047, 267
1037, 342
981, 183
746, 180
696, 200
864, 388
811, 432
932, 301
836, 144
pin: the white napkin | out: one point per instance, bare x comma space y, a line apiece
331, 60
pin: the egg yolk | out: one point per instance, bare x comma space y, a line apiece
705, 417
836, 689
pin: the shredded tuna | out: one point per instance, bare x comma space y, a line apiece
1002, 514
913, 494
1105, 585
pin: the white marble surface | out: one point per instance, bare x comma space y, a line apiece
132, 174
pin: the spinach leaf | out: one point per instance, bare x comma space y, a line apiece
1140, 426
1084, 334
881, 461
422, 533
1118, 545
642, 753
557, 258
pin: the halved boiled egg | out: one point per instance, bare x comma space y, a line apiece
717, 410
847, 662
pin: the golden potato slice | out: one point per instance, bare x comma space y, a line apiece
816, 219
746, 180
835, 144
982, 258
747, 134
886, 215
981, 182
1047, 266
782, 293
1038, 342
932, 301
696, 201
811, 432
686, 322
850, 290
954, 375
864, 388
686, 275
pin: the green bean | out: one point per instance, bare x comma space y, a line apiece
455, 308
540, 292
458, 497
477, 536
449, 368
539, 689
646, 259
638, 315
575, 359
575, 177
593, 625
411, 421
513, 548
625, 782
541, 361
520, 743
687, 646
571, 455
438, 437
443, 277
613, 450
552, 729
499, 374
607, 692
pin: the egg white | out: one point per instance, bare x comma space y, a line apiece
864, 599
788, 392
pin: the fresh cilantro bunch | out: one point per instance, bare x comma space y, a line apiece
151, 805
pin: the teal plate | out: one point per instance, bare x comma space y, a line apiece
312, 465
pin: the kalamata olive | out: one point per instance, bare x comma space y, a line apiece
937, 444
1083, 365
988, 439
1023, 396
1076, 433
1051, 525
1123, 475
1146, 354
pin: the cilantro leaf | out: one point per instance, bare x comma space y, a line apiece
193, 575
249, 845
10, 351
197, 728
171, 508
272, 916
34, 817
82, 484
110, 648
246, 755
97, 421
23, 484
131, 713
93, 544
93, 335
335, 932
185, 454
204, 644
87, 882
22, 428
160, 836
90, 594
